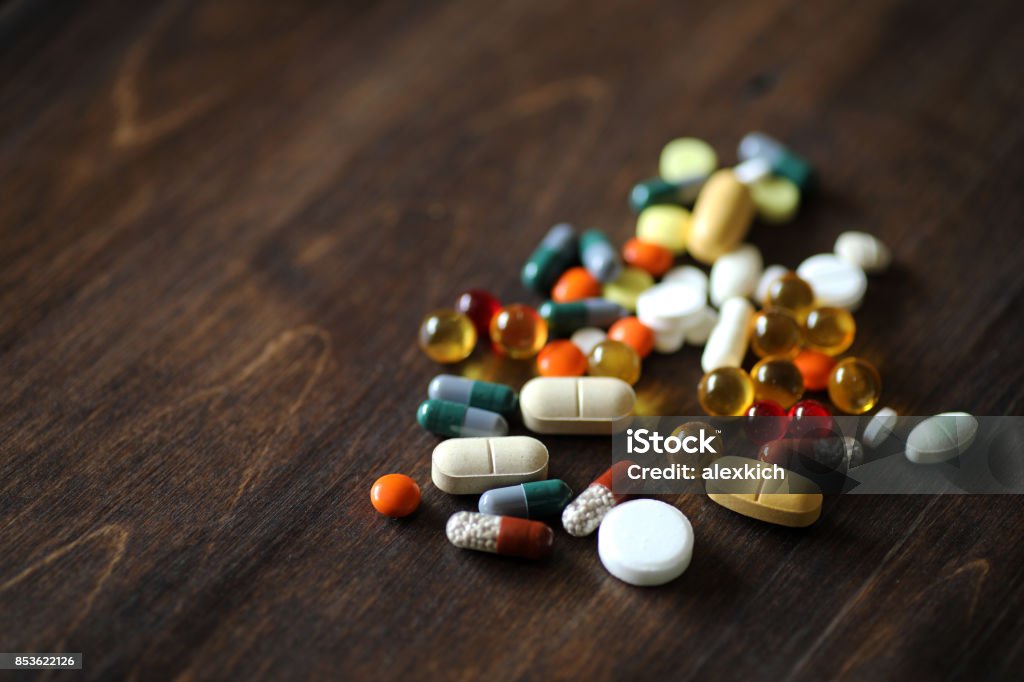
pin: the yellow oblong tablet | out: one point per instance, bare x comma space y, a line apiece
794, 501
721, 217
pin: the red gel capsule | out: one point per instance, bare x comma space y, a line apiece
809, 419
480, 307
807, 456
765, 421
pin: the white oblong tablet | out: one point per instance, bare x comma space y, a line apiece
880, 427
941, 437
835, 282
864, 250
645, 542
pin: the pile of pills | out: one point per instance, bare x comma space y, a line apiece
606, 310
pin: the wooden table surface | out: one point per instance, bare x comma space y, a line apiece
221, 223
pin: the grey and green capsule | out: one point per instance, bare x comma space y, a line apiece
555, 254
654, 191
533, 500
483, 394
783, 161
446, 418
565, 318
599, 257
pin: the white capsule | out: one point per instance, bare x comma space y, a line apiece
700, 327
863, 250
770, 274
835, 282
728, 341
736, 273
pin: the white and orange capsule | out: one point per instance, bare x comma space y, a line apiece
504, 535
584, 515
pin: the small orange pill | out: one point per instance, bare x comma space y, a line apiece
395, 495
575, 284
634, 334
815, 367
653, 258
561, 358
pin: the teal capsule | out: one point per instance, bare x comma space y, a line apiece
555, 254
599, 257
446, 418
483, 394
783, 161
565, 318
533, 500
654, 191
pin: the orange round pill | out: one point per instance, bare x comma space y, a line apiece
634, 334
575, 284
653, 258
395, 495
561, 359
815, 367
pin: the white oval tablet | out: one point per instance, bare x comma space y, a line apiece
835, 282
863, 250
586, 338
941, 437
770, 274
880, 427
736, 273
645, 542
689, 275
668, 302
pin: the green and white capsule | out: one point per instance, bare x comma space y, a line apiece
783, 161
655, 191
599, 257
555, 254
483, 394
446, 418
533, 500
565, 318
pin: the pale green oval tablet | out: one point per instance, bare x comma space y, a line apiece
776, 199
686, 157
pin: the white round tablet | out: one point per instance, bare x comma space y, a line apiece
668, 302
880, 427
770, 274
587, 337
689, 275
645, 542
835, 282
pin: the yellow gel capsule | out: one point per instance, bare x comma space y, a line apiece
792, 294
776, 199
627, 287
721, 217
726, 392
829, 330
778, 380
664, 225
447, 336
686, 157
854, 386
614, 359
775, 333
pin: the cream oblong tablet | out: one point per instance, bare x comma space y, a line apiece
793, 500
835, 282
645, 542
941, 437
465, 466
721, 217
581, 405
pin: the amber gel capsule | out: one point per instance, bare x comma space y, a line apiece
504, 535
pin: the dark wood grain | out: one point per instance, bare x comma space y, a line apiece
220, 224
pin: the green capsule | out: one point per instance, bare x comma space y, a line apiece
654, 191
533, 500
446, 418
555, 254
782, 160
483, 394
565, 318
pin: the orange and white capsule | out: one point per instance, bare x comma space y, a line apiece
584, 514
504, 535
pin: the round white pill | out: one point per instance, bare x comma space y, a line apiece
689, 275
669, 339
835, 282
669, 303
863, 250
880, 427
941, 437
736, 273
645, 542
586, 338
701, 324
